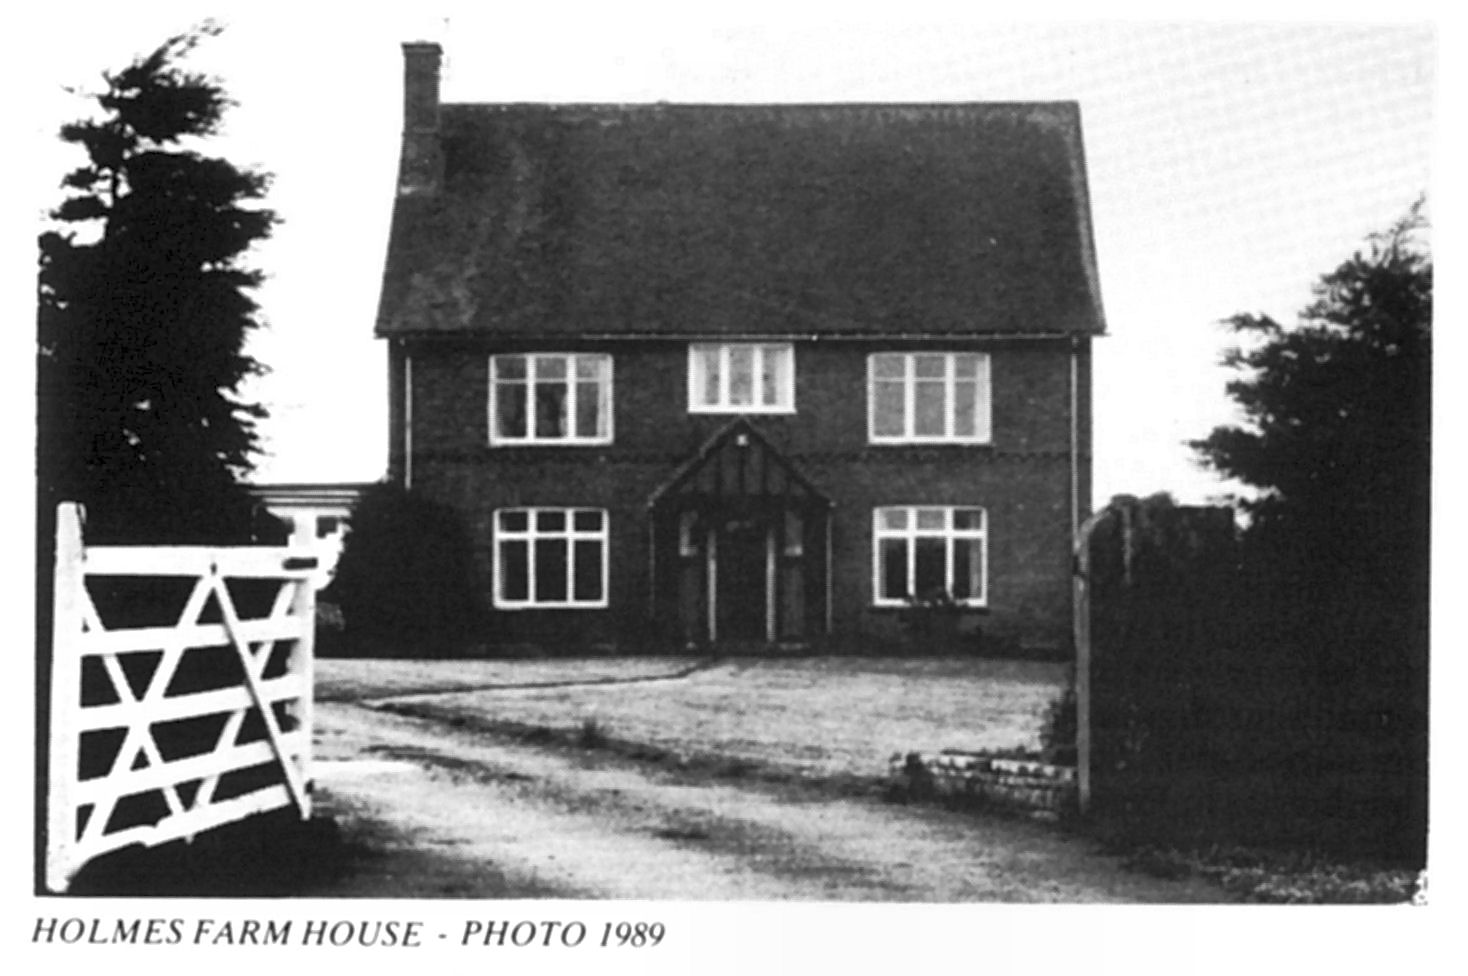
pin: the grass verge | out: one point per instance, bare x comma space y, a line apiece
592, 737
1282, 878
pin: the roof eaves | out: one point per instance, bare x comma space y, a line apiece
417, 335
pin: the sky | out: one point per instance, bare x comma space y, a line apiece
1230, 164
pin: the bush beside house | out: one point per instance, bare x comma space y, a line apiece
404, 582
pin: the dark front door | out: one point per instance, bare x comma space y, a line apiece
742, 582
740, 545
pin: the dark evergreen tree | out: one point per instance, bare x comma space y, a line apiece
1337, 433
1337, 439
144, 310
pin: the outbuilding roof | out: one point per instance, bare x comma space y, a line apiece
742, 220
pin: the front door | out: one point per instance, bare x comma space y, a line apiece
741, 570
740, 548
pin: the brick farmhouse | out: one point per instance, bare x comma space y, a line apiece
742, 375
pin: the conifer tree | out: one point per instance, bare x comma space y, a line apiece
1338, 421
1337, 438
145, 305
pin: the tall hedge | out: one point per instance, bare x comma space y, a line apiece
1212, 721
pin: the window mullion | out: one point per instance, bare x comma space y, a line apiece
527, 386
912, 548
911, 544
950, 395
909, 396
531, 528
570, 543
530, 407
530, 399
572, 384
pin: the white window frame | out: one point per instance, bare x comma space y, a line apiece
911, 533
724, 351
571, 360
983, 400
532, 534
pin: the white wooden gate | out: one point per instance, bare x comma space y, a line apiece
148, 743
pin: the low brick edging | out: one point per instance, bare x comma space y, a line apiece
1040, 789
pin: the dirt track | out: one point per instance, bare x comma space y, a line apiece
452, 812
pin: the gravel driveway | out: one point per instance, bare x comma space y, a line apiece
457, 808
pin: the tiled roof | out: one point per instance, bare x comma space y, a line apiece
748, 219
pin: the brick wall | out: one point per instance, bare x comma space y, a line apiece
1023, 478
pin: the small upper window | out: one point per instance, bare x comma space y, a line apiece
929, 398
741, 378
550, 398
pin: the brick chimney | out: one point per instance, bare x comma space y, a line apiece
420, 168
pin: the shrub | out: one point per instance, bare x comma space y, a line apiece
1058, 732
932, 622
404, 581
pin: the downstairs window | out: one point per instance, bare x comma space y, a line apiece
921, 552
550, 558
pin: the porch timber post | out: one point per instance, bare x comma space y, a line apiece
830, 585
652, 565
711, 580
770, 590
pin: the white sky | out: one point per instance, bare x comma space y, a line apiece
1230, 164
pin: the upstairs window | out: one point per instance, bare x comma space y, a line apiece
922, 552
741, 377
550, 398
928, 398
550, 557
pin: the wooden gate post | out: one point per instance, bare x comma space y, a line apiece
1081, 606
303, 664
63, 743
